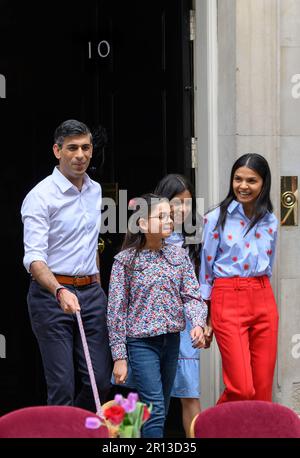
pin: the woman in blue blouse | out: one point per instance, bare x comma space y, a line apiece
237, 257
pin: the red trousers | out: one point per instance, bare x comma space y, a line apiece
245, 322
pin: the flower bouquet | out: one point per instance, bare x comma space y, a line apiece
125, 416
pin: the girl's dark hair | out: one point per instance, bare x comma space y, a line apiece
137, 240
263, 202
169, 187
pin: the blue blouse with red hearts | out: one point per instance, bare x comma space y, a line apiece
230, 253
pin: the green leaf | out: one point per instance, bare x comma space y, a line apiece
126, 431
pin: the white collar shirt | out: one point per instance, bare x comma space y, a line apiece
62, 224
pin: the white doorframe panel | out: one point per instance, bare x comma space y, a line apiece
207, 173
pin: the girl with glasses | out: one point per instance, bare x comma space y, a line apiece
179, 191
152, 284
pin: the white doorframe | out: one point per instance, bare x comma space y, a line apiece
207, 173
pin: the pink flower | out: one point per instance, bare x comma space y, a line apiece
92, 423
126, 416
133, 397
128, 404
118, 398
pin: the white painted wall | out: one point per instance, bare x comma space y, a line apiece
289, 362
207, 172
258, 53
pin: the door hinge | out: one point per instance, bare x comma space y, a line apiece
194, 152
192, 25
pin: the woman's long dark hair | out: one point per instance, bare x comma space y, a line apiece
170, 186
263, 202
137, 239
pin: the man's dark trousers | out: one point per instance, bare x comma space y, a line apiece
61, 348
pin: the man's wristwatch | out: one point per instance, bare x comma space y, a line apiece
57, 292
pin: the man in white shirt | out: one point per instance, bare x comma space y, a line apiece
61, 217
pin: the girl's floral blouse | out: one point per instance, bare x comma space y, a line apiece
148, 295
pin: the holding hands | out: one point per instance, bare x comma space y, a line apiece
197, 336
208, 333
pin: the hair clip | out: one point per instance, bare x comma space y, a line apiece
132, 204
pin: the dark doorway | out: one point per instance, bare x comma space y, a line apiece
125, 66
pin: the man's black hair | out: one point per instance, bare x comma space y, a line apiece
70, 128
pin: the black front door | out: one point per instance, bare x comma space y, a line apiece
144, 89
120, 66
143, 57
